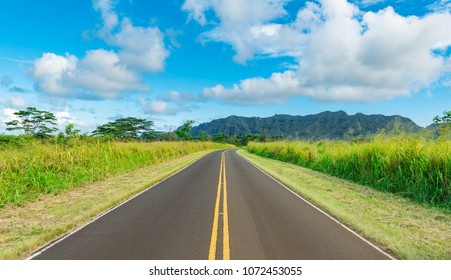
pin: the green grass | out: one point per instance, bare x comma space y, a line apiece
411, 167
398, 225
30, 168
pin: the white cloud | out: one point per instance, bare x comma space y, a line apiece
345, 54
246, 26
258, 90
64, 118
196, 9
441, 6
100, 72
157, 107
7, 115
97, 75
104, 73
171, 103
109, 17
142, 48
48, 72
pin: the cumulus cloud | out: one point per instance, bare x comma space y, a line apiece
157, 107
97, 75
101, 72
142, 48
104, 73
258, 90
345, 54
247, 26
109, 17
48, 72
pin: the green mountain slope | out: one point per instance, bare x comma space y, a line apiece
325, 125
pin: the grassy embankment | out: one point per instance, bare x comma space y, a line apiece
49, 189
414, 223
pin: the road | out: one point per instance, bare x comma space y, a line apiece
220, 207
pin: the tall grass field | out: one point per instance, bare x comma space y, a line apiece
411, 167
31, 168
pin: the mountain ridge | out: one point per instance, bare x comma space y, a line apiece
324, 125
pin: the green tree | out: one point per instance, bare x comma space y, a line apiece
264, 137
168, 136
33, 122
221, 138
444, 124
203, 136
150, 136
70, 131
126, 128
183, 131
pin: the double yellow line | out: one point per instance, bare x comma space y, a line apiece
222, 187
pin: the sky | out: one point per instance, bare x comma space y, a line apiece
93, 61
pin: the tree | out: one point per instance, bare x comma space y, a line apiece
203, 136
150, 136
169, 136
221, 138
264, 137
70, 131
126, 128
444, 123
33, 122
183, 131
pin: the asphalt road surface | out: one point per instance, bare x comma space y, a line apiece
220, 207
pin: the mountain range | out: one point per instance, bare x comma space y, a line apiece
325, 125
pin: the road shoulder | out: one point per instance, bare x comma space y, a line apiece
404, 229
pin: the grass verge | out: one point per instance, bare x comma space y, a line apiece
409, 166
406, 229
24, 229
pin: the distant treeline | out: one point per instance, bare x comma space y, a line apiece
35, 123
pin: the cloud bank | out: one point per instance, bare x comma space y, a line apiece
342, 53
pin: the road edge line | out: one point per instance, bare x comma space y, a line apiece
60, 239
322, 211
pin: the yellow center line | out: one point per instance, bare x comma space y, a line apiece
222, 182
226, 243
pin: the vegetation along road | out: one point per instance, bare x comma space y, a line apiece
220, 207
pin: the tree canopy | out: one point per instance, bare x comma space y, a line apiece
183, 131
33, 122
444, 123
126, 128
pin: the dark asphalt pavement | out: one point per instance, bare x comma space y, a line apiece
175, 219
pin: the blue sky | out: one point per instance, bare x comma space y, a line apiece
90, 62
